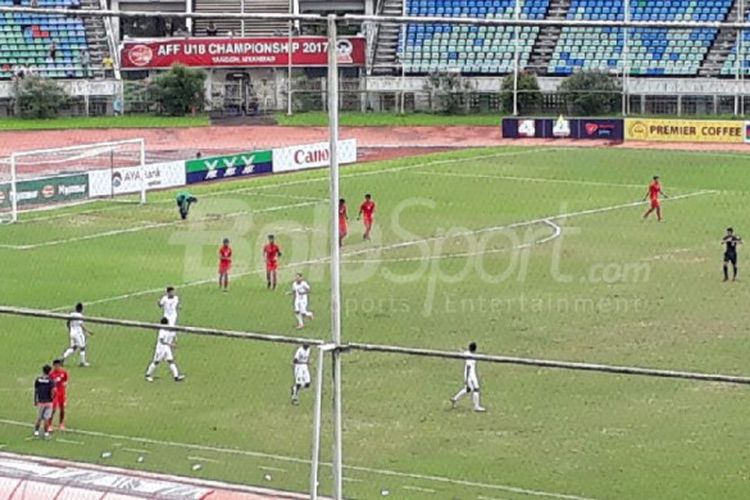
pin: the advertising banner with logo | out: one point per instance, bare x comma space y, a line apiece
312, 156
128, 179
594, 128
215, 52
53, 190
747, 132
638, 129
562, 128
225, 167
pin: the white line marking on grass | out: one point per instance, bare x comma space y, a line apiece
417, 488
532, 179
282, 458
276, 469
69, 441
322, 260
157, 225
352, 480
203, 459
557, 231
136, 450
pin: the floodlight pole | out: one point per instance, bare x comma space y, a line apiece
289, 72
517, 16
13, 189
625, 60
333, 131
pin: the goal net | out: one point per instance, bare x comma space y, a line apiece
45, 179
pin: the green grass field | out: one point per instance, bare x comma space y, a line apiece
597, 285
97, 122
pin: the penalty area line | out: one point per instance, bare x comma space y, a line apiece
282, 458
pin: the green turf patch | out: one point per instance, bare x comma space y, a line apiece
103, 122
352, 119
529, 252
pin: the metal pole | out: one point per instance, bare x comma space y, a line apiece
317, 417
289, 73
738, 64
242, 21
403, 67
144, 182
333, 126
625, 59
13, 189
741, 57
516, 15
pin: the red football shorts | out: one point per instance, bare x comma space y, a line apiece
224, 267
368, 220
58, 402
272, 265
655, 203
343, 230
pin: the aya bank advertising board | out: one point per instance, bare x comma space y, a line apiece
214, 52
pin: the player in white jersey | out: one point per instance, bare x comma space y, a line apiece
471, 381
170, 304
301, 363
78, 332
301, 292
165, 342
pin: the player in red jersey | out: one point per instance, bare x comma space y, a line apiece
654, 190
343, 217
367, 211
225, 264
271, 253
59, 376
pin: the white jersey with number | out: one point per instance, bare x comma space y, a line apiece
470, 373
169, 306
301, 291
77, 336
164, 343
301, 368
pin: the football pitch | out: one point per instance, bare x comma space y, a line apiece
528, 252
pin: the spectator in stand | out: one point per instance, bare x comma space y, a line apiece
34, 4
230, 34
109, 66
211, 29
85, 62
52, 51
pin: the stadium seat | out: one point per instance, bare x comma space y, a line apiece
653, 52
25, 40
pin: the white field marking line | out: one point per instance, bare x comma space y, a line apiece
557, 231
145, 227
69, 441
252, 189
135, 450
283, 458
203, 459
292, 197
417, 488
275, 469
323, 260
532, 179
539, 220
352, 480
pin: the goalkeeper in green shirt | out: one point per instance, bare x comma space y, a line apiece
184, 200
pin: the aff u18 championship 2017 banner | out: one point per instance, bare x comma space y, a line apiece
213, 52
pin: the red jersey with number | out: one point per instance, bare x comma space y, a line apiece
225, 258
60, 378
367, 208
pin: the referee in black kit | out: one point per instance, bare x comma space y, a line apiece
731, 241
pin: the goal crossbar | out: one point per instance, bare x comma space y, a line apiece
78, 147
391, 349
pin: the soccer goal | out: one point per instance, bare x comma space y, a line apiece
45, 179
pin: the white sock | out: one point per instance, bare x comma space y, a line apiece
475, 398
459, 395
308, 314
174, 370
83, 356
68, 352
150, 370
299, 319
295, 391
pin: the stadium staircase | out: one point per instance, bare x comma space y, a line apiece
252, 27
541, 53
387, 37
96, 34
720, 59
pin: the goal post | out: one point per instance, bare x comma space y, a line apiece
44, 179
